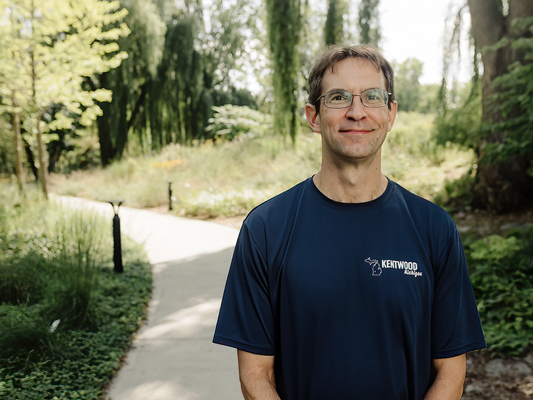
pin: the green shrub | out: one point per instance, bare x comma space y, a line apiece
456, 194
501, 270
459, 120
231, 121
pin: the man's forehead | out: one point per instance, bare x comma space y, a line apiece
356, 69
356, 61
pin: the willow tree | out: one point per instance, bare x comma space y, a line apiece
334, 28
368, 22
501, 184
284, 27
130, 81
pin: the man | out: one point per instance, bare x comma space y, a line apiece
347, 286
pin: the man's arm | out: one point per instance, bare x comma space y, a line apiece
256, 374
449, 378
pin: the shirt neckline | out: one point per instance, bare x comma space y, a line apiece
382, 198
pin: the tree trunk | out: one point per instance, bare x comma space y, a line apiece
37, 121
503, 186
42, 161
107, 150
18, 142
31, 159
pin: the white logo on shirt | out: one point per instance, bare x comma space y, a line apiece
408, 267
376, 268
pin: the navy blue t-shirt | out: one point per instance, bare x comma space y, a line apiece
353, 300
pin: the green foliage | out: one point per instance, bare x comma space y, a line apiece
53, 264
63, 33
500, 269
459, 106
284, 30
7, 140
334, 28
79, 150
368, 22
429, 98
513, 100
407, 87
456, 194
230, 122
184, 58
459, 121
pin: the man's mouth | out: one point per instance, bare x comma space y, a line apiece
355, 130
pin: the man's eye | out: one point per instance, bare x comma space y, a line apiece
373, 96
338, 97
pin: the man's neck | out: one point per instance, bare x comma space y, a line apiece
351, 184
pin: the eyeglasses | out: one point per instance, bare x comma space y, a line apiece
343, 99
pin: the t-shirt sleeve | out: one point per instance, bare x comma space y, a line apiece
456, 326
245, 319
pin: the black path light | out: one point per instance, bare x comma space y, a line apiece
117, 244
170, 196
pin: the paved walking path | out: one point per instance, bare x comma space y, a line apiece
172, 356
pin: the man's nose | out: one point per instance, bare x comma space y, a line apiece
356, 110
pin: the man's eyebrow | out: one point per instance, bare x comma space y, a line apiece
346, 90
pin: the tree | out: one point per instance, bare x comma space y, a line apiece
9, 51
407, 84
284, 29
58, 44
130, 81
183, 59
503, 185
334, 28
368, 22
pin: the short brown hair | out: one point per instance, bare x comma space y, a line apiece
332, 55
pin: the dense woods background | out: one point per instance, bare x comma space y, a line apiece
82, 84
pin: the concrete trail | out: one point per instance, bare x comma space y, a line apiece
172, 357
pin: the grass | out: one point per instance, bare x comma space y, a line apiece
66, 319
230, 178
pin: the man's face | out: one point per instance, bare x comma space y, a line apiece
356, 133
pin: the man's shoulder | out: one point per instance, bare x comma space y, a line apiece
279, 207
420, 206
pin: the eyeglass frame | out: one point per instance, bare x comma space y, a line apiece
387, 101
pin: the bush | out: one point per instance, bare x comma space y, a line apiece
231, 121
501, 269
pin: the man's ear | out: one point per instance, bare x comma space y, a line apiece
392, 114
313, 118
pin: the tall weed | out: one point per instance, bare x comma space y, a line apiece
80, 237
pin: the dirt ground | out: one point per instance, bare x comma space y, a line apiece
498, 379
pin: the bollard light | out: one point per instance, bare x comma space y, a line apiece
117, 244
169, 195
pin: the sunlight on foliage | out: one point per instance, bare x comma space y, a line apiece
231, 121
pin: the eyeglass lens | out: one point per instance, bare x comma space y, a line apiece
343, 98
